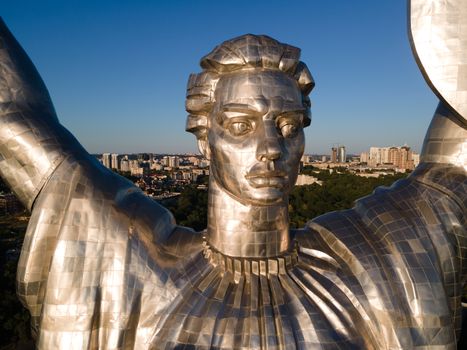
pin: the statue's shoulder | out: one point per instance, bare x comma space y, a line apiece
85, 194
427, 206
98, 241
325, 231
447, 179
374, 258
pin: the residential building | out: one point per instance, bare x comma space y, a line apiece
106, 160
342, 155
334, 155
114, 161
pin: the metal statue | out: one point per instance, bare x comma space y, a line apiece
105, 267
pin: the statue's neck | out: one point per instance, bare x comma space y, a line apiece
247, 231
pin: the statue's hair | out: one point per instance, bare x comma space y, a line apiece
246, 51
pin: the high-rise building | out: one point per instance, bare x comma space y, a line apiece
106, 160
114, 161
375, 156
334, 155
324, 159
134, 164
306, 159
399, 157
364, 157
342, 154
379, 155
385, 155
135, 167
407, 160
174, 162
416, 159
394, 156
124, 165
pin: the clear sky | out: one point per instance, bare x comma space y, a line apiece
117, 70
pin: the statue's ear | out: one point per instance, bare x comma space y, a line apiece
198, 125
203, 146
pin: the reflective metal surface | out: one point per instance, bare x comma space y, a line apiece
248, 109
105, 267
446, 139
30, 151
438, 34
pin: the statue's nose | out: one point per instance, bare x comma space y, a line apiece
269, 147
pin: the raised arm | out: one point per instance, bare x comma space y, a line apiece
446, 139
437, 33
32, 141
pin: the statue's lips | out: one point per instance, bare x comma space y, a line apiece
276, 178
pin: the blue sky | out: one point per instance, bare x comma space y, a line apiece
117, 70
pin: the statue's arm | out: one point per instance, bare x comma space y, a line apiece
446, 139
32, 141
437, 31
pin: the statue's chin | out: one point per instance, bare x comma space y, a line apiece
264, 196
267, 196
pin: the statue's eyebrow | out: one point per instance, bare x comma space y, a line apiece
293, 113
288, 106
241, 108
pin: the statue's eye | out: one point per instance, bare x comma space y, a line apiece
240, 128
289, 129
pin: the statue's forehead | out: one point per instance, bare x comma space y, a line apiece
257, 85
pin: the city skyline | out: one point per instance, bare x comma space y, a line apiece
328, 152
117, 73
374, 155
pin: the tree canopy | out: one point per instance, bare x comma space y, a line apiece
337, 192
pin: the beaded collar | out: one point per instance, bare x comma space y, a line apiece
239, 267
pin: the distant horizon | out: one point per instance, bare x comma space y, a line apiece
196, 152
105, 63
200, 155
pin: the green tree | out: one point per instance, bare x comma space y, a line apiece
338, 192
191, 208
14, 318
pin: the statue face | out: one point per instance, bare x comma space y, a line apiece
255, 137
